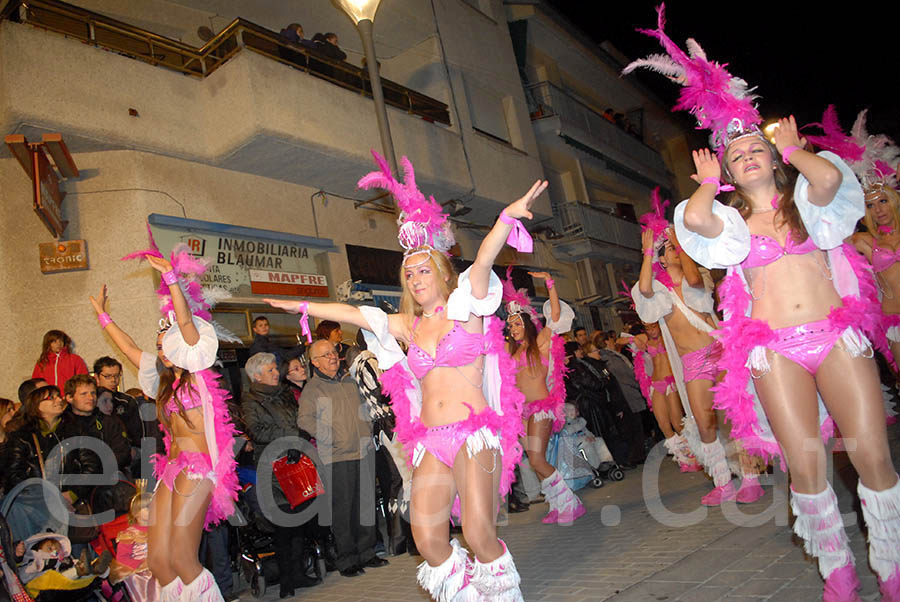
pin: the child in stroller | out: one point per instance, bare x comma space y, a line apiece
581, 456
49, 571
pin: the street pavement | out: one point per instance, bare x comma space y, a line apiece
638, 545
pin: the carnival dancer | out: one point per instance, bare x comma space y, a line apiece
872, 159
670, 291
539, 356
197, 479
653, 373
792, 307
457, 408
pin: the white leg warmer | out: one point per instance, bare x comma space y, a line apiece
715, 462
498, 581
820, 526
881, 510
450, 581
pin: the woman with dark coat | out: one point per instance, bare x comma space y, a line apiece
270, 413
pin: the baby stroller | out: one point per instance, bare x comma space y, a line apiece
580, 456
255, 548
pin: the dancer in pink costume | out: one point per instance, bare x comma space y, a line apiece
653, 373
871, 158
793, 312
457, 407
197, 479
671, 292
539, 356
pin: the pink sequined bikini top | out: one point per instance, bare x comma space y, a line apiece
883, 258
522, 360
456, 348
765, 250
189, 399
656, 350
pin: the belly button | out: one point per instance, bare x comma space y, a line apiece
440, 404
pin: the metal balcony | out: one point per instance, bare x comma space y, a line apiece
559, 115
591, 232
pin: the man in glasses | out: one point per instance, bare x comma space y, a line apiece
332, 411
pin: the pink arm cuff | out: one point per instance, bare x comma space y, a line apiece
104, 320
170, 277
518, 238
304, 321
787, 152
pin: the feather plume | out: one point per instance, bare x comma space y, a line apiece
517, 300
721, 102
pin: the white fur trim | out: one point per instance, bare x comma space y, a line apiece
543, 415
202, 589
498, 580
713, 455
480, 440
856, 343
893, 334
447, 580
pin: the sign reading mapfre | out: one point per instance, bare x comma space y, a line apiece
63, 256
269, 282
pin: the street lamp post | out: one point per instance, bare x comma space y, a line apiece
363, 14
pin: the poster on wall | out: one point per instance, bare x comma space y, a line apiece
247, 267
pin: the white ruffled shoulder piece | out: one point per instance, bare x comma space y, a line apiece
828, 226
697, 298
655, 308
566, 317
729, 248
148, 376
462, 303
379, 339
193, 358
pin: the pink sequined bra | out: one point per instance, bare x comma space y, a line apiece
189, 399
883, 258
765, 250
654, 351
456, 348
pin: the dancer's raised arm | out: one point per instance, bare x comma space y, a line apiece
496, 238
121, 338
186, 325
698, 215
824, 178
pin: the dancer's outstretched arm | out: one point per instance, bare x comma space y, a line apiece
121, 338
336, 312
493, 243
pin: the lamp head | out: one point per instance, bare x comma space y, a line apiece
358, 10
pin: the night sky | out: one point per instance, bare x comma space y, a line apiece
800, 59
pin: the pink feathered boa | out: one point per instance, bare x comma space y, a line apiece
224, 495
743, 334
642, 378
397, 380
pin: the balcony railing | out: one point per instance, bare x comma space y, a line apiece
143, 45
547, 100
580, 220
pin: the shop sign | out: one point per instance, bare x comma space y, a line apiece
63, 256
232, 260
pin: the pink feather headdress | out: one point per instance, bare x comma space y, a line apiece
655, 219
190, 270
721, 102
517, 301
872, 158
422, 221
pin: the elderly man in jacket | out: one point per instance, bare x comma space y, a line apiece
333, 412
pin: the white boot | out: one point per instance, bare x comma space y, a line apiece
821, 527
497, 581
881, 510
450, 581
202, 589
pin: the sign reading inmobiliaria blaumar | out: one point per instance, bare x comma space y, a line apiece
249, 267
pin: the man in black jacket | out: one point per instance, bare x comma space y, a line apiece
84, 418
